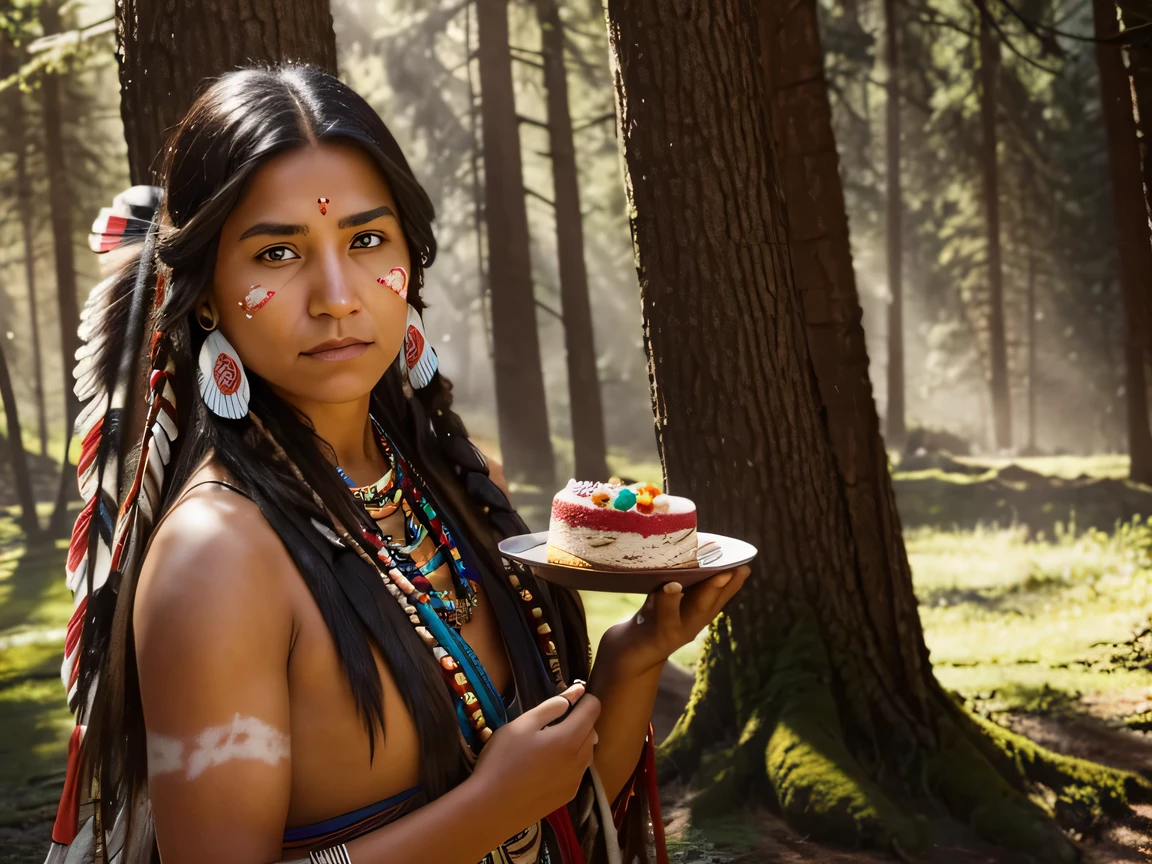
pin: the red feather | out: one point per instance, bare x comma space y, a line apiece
78, 548
89, 448
75, 625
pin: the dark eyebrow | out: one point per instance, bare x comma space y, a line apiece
274, 229
365, 217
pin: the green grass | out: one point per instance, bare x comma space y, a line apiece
1113, 465
34, 720
1019, 621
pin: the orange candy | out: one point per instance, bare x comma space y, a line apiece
649, 489
601, 498
644, 503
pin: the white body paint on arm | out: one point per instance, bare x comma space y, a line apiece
244, 738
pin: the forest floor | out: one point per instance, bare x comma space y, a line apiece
1045, 631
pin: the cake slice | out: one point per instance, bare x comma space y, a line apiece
610, 526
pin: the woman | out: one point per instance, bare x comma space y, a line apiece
274, 656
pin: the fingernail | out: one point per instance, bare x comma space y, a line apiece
673, 588
721, 581
579, 681
595, 738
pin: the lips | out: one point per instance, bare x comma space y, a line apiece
347, 348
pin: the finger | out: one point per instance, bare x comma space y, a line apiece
568, 733
551, 710
739, 577
666, 603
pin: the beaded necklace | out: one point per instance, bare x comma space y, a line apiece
396, 489
478, 706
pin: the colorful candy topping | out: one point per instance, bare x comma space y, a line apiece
646, 498
625, 499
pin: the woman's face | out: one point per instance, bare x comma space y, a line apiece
296, 284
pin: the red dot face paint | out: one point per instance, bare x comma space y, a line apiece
255, 300
396, 281
323, 202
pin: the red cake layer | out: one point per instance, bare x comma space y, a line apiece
609, 519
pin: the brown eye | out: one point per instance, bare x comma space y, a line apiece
277, 254
367, 240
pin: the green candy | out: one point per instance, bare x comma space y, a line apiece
625, 500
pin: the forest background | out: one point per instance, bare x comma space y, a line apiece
1001, 351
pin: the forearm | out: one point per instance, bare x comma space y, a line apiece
626, 700
478, 823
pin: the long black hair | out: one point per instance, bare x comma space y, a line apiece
237, 125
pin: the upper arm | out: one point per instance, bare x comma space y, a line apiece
212, 628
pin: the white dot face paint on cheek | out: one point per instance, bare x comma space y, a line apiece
396, 281
255, 300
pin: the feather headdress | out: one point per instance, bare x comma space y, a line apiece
119, 509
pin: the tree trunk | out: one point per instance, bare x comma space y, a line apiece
62, 202
1032, 368
583, 384
799, 675
1138, 13
895, 428
10, 62
821, 257
1130, 214
521, 410
997, 342
17, 458
167, 50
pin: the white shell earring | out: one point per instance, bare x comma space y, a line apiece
420, 362
223, 384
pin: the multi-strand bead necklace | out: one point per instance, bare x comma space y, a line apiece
438, 616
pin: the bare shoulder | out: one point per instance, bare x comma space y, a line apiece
215, 570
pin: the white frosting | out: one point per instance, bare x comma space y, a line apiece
624, 550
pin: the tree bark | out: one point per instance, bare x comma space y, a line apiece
997, 341
821, 262
17, 458
895, 232
167, 50
1138, 14
583, 384
797, 674
10, 62
521, 409
1129, 211
61, 203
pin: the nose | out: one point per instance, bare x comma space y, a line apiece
333, 293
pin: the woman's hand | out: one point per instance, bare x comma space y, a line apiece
533, 767
669, 619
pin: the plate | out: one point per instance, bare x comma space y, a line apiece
532, 549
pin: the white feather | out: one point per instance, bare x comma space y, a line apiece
90, 416
166, 423
160, 441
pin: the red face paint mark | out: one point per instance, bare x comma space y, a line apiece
413, 346
323, 202
255, 299
227, 374
396, 281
